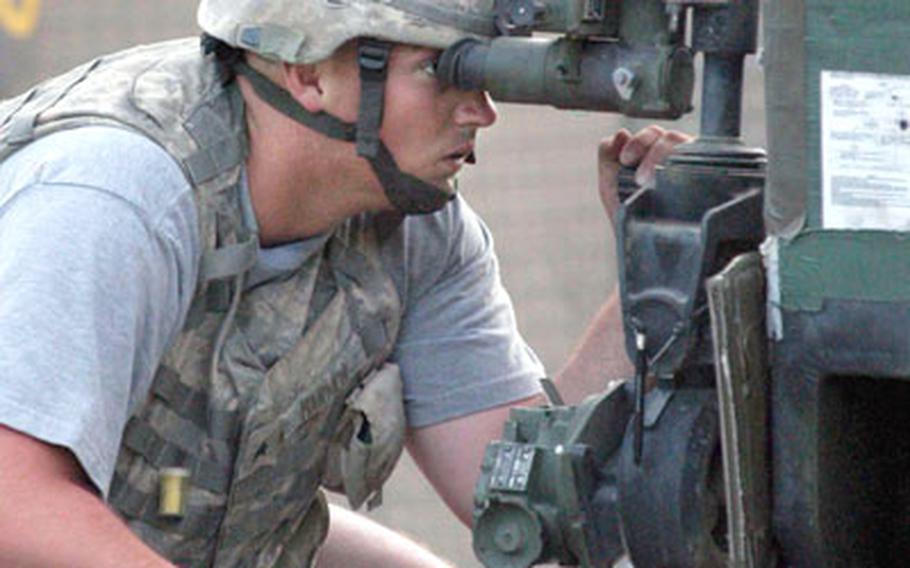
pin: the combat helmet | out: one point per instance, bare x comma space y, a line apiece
308, 31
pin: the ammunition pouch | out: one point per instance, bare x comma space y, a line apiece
370, 439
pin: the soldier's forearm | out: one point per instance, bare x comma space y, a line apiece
357, 542
599, 357
49, 516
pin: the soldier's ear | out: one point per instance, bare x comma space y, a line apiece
302, 81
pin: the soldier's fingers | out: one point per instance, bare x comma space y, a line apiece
609, 149
637, 146
658, 151
608, 170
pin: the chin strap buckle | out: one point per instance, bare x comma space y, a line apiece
373, 56
373, 59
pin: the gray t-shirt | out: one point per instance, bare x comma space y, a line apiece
99, 253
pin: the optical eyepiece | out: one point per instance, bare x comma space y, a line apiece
463, 64
643, 81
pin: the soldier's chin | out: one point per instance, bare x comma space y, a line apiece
448, 184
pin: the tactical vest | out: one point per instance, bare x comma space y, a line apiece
259, 382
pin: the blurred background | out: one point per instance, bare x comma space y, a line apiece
535, 185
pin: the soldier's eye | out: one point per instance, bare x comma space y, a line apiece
428, 66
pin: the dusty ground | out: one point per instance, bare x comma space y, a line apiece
535, 186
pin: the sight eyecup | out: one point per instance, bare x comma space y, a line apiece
462, 65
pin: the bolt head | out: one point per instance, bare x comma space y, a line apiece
509, 537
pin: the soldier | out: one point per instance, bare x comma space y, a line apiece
233, 275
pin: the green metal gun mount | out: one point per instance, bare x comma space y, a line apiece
547, 490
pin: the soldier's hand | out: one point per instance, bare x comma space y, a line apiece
644, 150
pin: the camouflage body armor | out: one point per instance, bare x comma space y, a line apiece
259, 384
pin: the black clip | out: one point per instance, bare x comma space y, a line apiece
373, 57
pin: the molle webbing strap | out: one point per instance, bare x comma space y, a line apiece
22, 127
9, 108
209, 163
228, 260
477, 23
177, 447
237, 258
192, 404
135, 504
222, 147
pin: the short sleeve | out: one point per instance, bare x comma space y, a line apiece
95, 281
459, 349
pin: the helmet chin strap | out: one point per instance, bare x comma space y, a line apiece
408, 194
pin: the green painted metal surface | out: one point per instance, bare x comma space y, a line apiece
819, 264
848, 35
844, 265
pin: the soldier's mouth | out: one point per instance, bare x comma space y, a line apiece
464, 154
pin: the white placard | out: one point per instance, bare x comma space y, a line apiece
865, 127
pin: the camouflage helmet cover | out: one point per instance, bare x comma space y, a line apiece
306, 31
